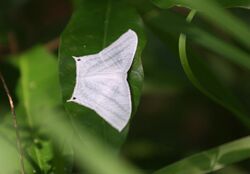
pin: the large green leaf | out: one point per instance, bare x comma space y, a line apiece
225, 3
34, 105
211, 160
93, 26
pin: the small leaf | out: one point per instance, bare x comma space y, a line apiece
93, 26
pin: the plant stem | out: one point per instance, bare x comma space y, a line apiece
18, 139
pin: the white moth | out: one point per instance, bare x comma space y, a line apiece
101, 80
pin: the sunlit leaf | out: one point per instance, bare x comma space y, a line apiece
34, 105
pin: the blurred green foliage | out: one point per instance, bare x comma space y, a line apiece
175, 125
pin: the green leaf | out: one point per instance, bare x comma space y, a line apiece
211, 160
41, 95
34, 105
9, 158
203, 79
221, 47
166, 3
92, 154
169, 75
232, 3
81, 37
206, 82
196, 69
167, 23
225, 3
222, 18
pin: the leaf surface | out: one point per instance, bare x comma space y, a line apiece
39, 79
225, 3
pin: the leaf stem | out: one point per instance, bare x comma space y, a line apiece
18, 139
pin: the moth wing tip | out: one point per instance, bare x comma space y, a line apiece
69, 100
131, 31
74, 57
120, 128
